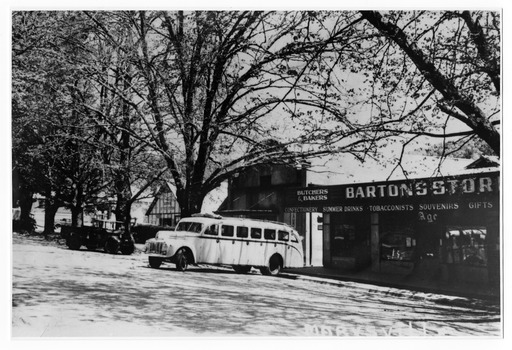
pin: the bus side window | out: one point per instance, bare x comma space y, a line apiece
294, 238
256, 233
227, 231
242, 232
283, 236
270, 234
213, 230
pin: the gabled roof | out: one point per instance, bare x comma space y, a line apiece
485, 162
164, 188
211, 202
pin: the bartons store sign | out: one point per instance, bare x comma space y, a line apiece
475, 191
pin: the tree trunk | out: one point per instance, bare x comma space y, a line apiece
26, 199
191, 201
123, 208
50, 210
77, 216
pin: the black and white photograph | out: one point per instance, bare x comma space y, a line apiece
264, 173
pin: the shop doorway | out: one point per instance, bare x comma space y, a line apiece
349, 236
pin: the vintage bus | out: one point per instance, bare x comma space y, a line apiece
241, 243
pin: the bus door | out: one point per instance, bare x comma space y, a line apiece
244, 245
209, 251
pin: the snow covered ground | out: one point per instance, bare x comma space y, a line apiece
58, 292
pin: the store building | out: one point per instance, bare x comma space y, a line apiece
440, 227
259, 193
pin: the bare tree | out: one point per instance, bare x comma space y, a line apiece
51, 148
209, 88
434, 67
204, 91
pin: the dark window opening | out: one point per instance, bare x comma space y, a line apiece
283, 236
265, 180
465, 245
213, 230
270, 234
228, 231
397, 246
256, 233
242, 232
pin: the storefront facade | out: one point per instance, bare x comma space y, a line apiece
443, 228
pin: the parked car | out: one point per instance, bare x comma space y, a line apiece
106, 235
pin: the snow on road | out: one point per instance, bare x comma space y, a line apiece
58, 292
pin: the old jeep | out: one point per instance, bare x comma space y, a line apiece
106, 235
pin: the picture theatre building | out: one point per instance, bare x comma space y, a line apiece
445, 228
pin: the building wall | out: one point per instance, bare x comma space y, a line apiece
165, 211
462, 246
259, 193
444, 228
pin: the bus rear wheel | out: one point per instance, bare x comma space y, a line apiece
242, 268
154, 262
275, 264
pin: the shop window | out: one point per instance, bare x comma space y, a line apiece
344, 237
227, 231
397, 246
465, 245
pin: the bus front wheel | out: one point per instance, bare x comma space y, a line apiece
181, 260
275, 264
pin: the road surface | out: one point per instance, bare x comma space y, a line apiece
58, 292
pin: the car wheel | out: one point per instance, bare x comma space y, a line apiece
181, 260
154, 262
275, 264
111, 245
74, 241
91, 244
127, 248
